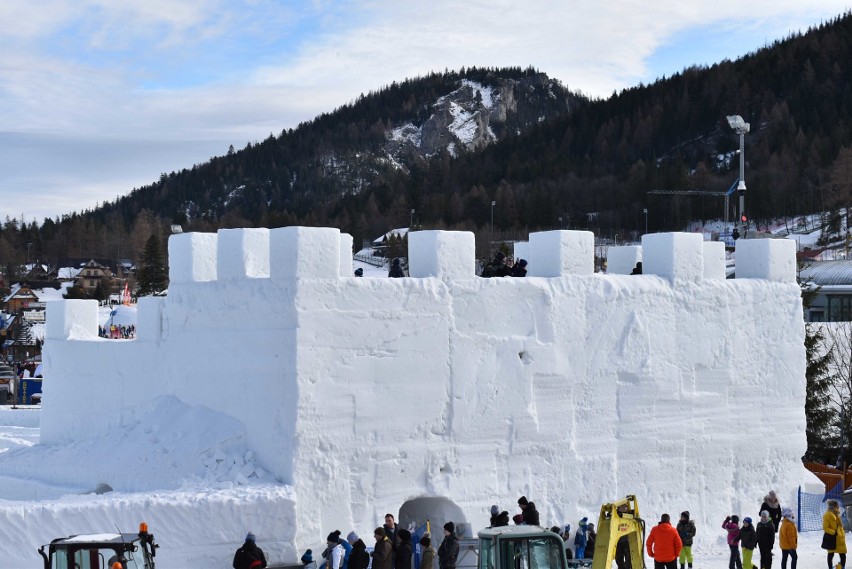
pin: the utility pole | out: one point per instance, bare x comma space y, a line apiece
741, 127
493, 203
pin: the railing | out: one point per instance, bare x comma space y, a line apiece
372, 260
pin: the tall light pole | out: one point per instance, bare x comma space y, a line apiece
741, 127
645, 211
28, 255
493, 203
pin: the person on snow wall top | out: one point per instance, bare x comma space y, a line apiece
520, 268
498, 518
773, 506
580, 539
686, 531
497, 268
732, 526
765, 539
591, 539
788, 538
395, 271
664, 544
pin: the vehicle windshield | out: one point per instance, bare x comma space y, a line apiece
96, 558
532, 553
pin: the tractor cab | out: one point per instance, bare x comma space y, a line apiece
101, 551
520, 547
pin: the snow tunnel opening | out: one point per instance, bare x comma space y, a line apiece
436, 511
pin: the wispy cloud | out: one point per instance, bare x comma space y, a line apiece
219, 70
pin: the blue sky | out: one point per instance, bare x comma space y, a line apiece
100, 96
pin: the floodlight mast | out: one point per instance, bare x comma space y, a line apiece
741, 127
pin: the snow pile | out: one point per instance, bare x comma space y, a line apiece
434, 396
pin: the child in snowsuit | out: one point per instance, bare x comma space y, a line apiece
580, 540
732, 526
686, 531
765, 539
789, 538
748, 541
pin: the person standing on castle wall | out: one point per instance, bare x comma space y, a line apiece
404, 551
686, 531
520, 268
498, 518
497, 267
732, 526
832, 525
427, 552
449, 550
788, 538
530, 514
383, 551
591, 539
748, 541
395, 271
773, 506
359, 558
580, 539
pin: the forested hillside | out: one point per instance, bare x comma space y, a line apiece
443, 146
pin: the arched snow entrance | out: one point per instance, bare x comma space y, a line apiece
437, 511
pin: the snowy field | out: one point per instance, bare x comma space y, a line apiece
41, 498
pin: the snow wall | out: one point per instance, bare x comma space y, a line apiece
444, 393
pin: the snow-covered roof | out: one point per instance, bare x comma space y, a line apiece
401, 232
828, 273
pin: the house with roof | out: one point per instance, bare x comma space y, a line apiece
833, 283
91, 274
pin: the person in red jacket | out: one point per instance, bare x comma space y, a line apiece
664, 544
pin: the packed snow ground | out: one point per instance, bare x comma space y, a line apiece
196, 487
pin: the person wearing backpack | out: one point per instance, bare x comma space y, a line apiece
249, 556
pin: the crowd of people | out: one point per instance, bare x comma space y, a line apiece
500, 266
117, 332
665, 544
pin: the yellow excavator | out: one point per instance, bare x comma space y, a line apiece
621, 536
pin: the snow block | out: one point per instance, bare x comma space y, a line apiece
192, 257
243, 253
522, 250
71, 320
304, 253
622, 260
346, 243
442, 254
675, 256
770, 259
559, 253
148, 318
714, 260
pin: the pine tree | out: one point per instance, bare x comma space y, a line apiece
819, 415
152, 277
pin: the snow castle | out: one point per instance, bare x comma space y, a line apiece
441, 394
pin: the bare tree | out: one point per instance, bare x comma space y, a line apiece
838, 337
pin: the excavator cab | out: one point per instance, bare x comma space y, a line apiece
101, 551
621, 535
520, 547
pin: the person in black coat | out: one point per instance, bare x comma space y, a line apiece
498, 518
359, 558
520, 268
249, 556
449, 550
773, 506
396, 270
403, 550
497, 267
529, 512
765, 539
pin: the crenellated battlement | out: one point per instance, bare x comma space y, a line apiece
473, 390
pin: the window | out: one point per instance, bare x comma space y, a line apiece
532, 553
839, 308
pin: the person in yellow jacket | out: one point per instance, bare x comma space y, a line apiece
788, 537
832, 525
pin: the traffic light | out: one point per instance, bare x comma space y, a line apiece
744, 218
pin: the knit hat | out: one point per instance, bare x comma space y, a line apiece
764, 515
404, 535
555, 529
450, 527
584, 521
425, 541
746, 520
359, 272
379, 531
685, 515
522, 262
495, 510
333, 537
522, 501
787, 513
352, 537
591, 525
250, 537
308, 557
